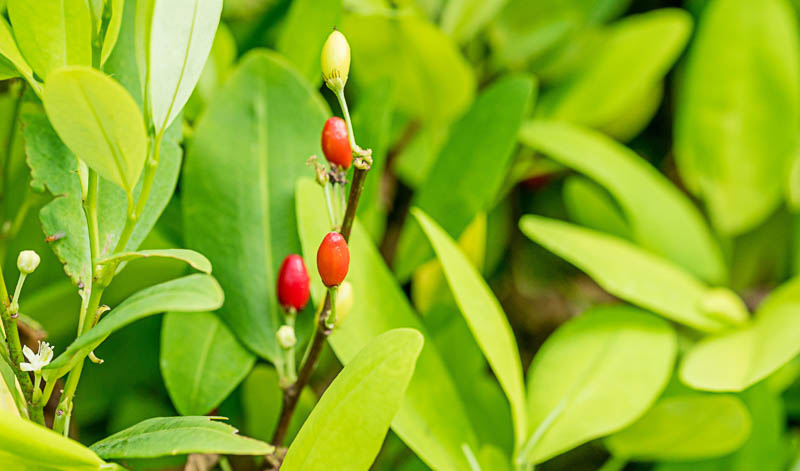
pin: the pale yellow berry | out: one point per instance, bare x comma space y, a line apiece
344, 301
335, 61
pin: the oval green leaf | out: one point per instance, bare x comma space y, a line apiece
485, 318
199, 376
685, 427
191, 293
113, 29
454, 192
738, 112
735, 360
432, 421
99, 121
52, 33
595, 375
195, 260
170, 436
636, 54
10, 51
627, 271
662, 219
591, 206
25, 445
181, 35
249, 148
356, 410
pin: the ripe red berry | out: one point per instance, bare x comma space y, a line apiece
293, 283
336, 143
333, 259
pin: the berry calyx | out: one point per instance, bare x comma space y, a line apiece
293, 283
333, 259
336, 143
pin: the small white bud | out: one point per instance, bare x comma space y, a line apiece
27, 262
286, 337
335, 61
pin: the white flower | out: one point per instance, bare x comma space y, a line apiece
37, 361
286, 337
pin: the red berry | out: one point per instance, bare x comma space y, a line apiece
293, 283
336, 143
333, 259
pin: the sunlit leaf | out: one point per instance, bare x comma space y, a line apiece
195, 259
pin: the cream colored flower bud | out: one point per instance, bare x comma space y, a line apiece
344, 301
335, 61
286, 337
27, 262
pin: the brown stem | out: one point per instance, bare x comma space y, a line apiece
292, 393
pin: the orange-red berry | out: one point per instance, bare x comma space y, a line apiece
293, 283
333, 259
336, 143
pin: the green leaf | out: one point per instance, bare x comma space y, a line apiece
591, 206
432, 420
180, 37
52, 33
308, 24
191, 293
662, 219
739, 110
626, 271
10, 51
196, 260
485, 317
114, 27
735, 360
99, 120
454, 192
685, 427
25, 445
595, 375
765, 449
355, 412
463, 19
169, 436
437, 82
249, 148
11, 399
198, 376
636, 54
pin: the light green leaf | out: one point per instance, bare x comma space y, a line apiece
196, 260
26, 446
191, 293
591, 206
11, 399
114, 27
626, 271
437, 82
308, 24
689, 426
249, 148
432, 420
739, 110
485, 317
10, 51
765, 449
663, 220
200, 374
595, 375
463, 19
636, 54
733, 361
454, 192
52, 33
169, 436
181, 35
355, 412
99, 121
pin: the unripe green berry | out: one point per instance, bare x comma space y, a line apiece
27, 262
335, 61
286, 337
